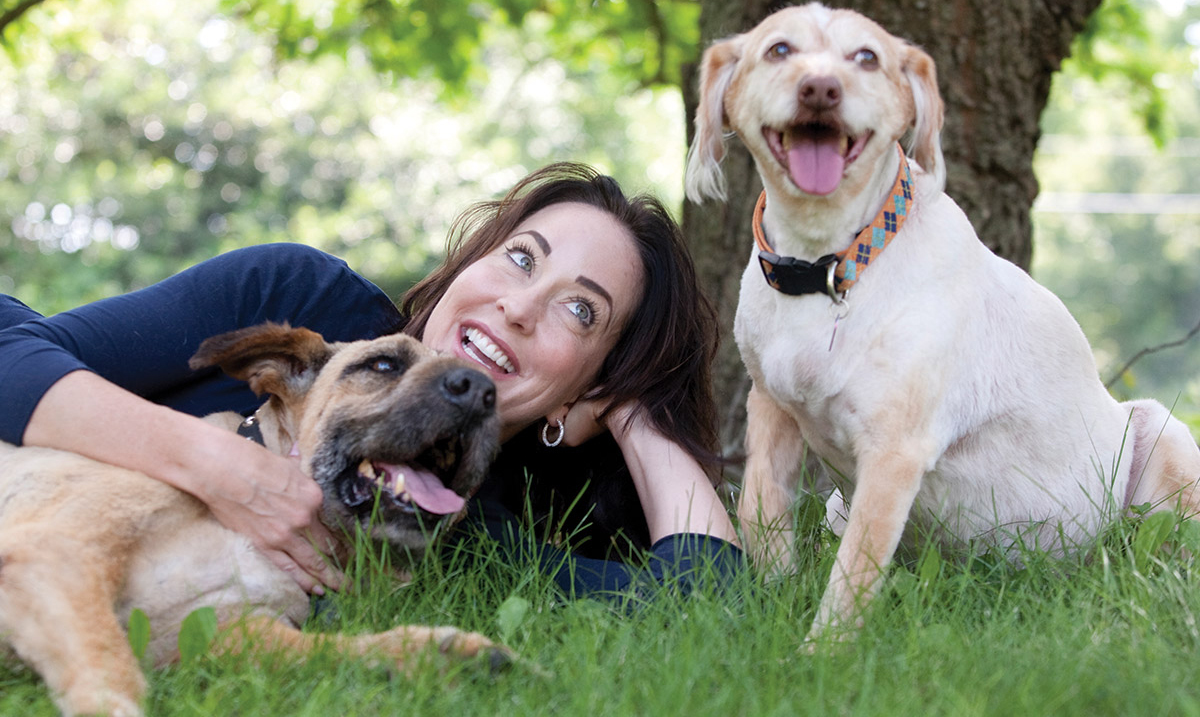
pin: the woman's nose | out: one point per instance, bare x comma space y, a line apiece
521, 308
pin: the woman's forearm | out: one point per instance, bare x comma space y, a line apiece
265, 497
674, 491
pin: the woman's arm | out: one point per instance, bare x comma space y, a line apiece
675, 493
250, 490
95, 381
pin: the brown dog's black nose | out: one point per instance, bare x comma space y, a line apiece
821, 93
469, 389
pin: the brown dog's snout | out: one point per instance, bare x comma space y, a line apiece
821, 93
470, 390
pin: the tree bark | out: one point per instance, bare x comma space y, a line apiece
995, 63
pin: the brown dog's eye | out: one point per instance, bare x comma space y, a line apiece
867, 59
778, 51
384, 365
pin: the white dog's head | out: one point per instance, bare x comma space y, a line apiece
819, 97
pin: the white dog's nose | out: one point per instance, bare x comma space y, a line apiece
821, 93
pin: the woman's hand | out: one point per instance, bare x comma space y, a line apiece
249, 490
269, 500
583, 422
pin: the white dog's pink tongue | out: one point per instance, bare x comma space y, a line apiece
816, 165
427, 491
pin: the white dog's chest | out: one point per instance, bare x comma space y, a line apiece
791, 349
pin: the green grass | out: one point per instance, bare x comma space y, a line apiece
1111, 633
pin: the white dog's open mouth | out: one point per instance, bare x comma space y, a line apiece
815, 155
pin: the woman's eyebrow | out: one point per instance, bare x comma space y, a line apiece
593, 286
537, 237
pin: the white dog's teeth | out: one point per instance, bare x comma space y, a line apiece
845, 143
398, 488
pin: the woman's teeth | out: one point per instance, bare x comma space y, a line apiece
481, 342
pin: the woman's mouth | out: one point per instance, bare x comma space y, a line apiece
482, 349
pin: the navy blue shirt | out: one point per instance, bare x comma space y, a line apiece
142, 341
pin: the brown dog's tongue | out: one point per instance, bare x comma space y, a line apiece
816, 165
425, 489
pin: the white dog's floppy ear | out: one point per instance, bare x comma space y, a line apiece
703, 177
926, 143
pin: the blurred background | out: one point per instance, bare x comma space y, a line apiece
141, 136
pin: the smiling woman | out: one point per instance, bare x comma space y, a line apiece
579, 302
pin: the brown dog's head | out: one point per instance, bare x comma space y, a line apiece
811, 92
396, 436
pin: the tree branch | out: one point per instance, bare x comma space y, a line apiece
1153, 349
10, 15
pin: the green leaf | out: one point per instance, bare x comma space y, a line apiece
138, 633
196, 634
930, 567
510, 615
1153, 532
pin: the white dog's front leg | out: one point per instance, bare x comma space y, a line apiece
886, 486
774, 449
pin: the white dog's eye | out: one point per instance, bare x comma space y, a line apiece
867, 59
778, 51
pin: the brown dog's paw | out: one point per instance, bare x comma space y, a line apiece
469, 645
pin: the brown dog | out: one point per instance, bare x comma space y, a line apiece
395, 436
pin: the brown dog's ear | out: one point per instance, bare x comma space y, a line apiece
703, 176
926, 143
272, 358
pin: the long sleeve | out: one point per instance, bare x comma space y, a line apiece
142, 340
680, 563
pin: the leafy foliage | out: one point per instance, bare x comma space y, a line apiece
643, 40
1127, 273
1122, 43
139, 138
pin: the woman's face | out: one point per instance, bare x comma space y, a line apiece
541, 312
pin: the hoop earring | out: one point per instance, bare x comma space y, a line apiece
562, 431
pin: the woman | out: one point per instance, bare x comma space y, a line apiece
580, 303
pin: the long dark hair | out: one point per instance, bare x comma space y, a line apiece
663, 357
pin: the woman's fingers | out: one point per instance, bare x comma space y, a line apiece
274, 504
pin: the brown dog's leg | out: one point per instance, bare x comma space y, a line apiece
56, 610
774, 452
886, 486
398, 649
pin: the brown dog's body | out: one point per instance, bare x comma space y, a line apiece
84, 543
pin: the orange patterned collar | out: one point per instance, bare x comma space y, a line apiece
834, 274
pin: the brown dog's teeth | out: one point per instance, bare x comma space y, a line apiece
366, 470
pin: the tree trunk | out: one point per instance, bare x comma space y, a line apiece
995, 62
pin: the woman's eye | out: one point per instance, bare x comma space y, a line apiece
582, 311
866, 58
523, 260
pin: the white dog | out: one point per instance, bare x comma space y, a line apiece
948, 390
